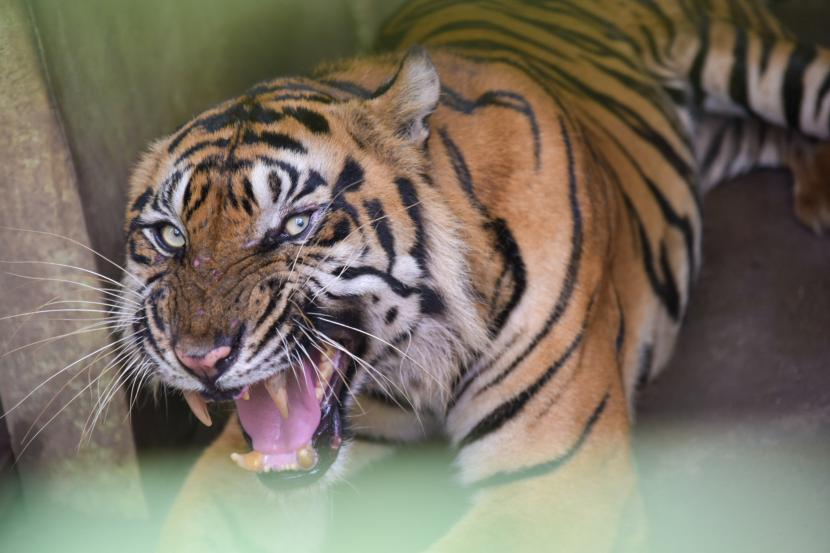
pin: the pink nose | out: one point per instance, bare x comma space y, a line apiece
203, 366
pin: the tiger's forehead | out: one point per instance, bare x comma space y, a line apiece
246, 157
252, 195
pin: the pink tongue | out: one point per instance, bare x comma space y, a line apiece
280, 438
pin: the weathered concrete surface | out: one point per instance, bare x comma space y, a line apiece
39, 192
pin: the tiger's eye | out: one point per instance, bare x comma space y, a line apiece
296, 224
172, 237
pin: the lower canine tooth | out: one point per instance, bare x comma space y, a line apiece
197, 404
306, 457
276, 389
252, 461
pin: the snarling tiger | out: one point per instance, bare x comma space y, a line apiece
488, 233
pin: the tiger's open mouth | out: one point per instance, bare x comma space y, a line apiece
293, 421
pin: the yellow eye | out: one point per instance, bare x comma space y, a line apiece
296, 224
172, 237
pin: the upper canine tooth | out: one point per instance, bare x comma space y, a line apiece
325, 368
198, 405
276, 389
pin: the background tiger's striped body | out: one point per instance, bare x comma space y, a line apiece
521, 265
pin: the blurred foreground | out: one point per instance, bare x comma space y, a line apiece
722, 488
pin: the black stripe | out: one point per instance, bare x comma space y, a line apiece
286, 85
822, 93
380, 225
667, 292
350, 178
142, 199
411, 203
274, 184
275, 140
696, 71
269, 308
249, 190
154, 312
715, 145
351, 273
767, 44
199, 146
154, 278
246, 205
349, 87
793, 87
462, 171
496, 98
512, 407
665, 20
311, 120
633, 118
198, 203
242, 110
737, 79
509, 249
666, 289
342, 230
389, 399
586, 43
391, 315
431, 302
271, 333
502, 236
312, 183
620, 339
188, 194
644, 365
293, 174
542, 469
571, 272
135, 256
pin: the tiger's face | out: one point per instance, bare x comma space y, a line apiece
282, 249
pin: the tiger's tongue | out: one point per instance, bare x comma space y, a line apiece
272, 435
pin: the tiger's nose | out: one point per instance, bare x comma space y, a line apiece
206, 366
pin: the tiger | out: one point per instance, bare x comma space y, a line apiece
487, 232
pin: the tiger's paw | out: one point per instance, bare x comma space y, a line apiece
811, 174
812, 205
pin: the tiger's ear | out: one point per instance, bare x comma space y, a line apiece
410, 96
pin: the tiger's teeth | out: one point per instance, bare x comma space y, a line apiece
252, 461
246, 395
306, 457
279, 395
325, 370
198, 405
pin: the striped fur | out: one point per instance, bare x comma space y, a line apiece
521, 248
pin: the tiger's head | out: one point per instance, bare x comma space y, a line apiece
287, 250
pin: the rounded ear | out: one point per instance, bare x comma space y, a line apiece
410, 96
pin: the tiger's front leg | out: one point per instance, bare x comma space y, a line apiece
224, 508
552, 463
